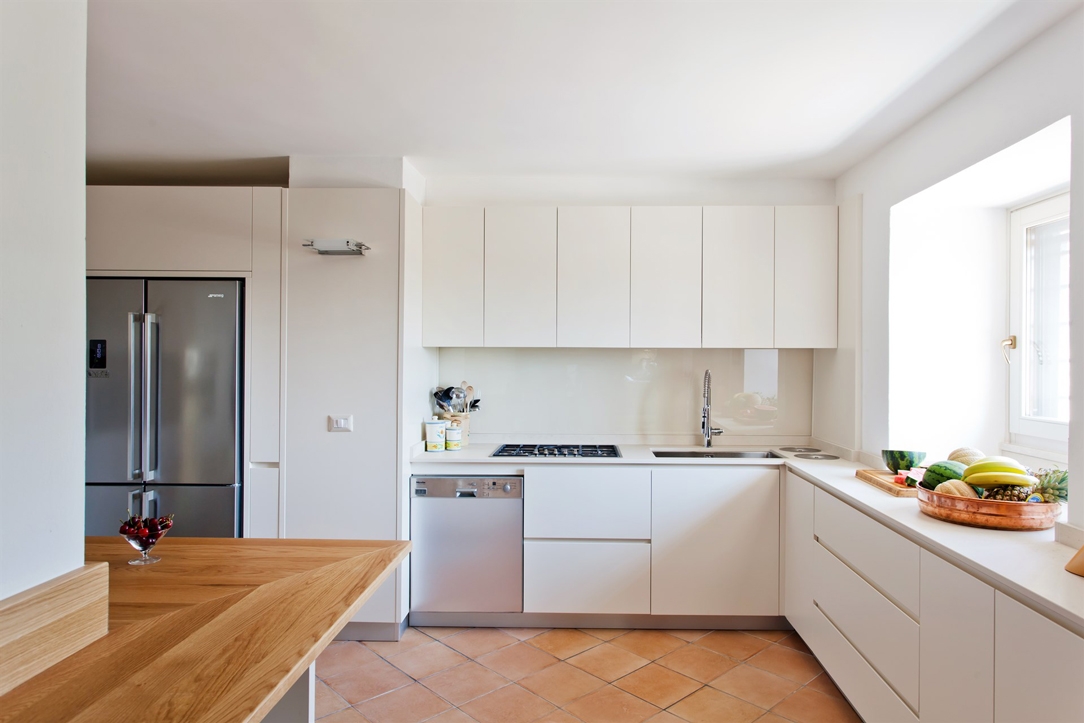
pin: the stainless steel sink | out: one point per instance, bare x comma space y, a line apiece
714, 454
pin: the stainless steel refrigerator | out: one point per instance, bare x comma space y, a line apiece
163, 403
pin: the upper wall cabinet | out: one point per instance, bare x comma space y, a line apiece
593, 251
739, 277
806, 259
453, 263
666, 276
169, 228
521, 277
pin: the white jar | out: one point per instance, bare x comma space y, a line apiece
434, 434
453, 437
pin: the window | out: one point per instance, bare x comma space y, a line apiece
1039, 317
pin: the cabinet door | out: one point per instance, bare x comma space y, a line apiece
599, 503
1027, 647
798, 552
666, 277
715, 541
453, 282
593, 250
739, 277
521, 277
806, 261
564, 576
169, 228
956, 660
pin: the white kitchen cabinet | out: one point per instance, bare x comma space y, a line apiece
1038, 667
666, 277
264, 301
593, 252
806, 263
798, 546
569, 576
453, 281
587, 503
521, 277
715, 541
956, 663
169, 228
739, 277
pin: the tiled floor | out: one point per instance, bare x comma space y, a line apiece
516, 675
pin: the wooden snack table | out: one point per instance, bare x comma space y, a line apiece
219, 630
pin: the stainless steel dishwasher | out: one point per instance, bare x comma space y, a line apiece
467, 534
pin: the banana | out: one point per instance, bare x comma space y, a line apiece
995, 464
996, 479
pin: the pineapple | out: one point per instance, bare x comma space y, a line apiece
1053, 485
1008, 493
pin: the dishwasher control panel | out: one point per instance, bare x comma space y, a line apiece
468, 487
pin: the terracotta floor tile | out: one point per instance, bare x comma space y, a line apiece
608, 662
424, 660
464, 682
664, 717
347, 715
773, 635
755, 686
440, 633
341, 656
735, 644
510, 704
558, 716
524, 633
605, 633
824, 684
561, 684
689, 635
790, 664
327, 700
478, 641
697, 663
811, 706
708, 705
795, 642
657, 685
368, 681
517, 661
610, 705
564, 642
411, 704
771, 718
411, 639
453, 715
650, 644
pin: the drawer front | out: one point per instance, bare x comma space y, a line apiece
888, 560
562, 576
587, 503
884, 635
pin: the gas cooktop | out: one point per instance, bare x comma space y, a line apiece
557, 450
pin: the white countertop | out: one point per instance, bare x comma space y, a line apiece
1029, 566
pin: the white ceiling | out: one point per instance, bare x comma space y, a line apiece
768, 89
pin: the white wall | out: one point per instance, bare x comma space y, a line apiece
1033, 88
342, 357
627, 190
630, 395
947, 302
42, 290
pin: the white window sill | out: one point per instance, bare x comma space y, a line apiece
1045, 455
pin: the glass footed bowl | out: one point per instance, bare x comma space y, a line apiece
144, 545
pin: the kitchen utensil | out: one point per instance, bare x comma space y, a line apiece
474, 405
457, 399
470, 397
992, 514
883, 481
438, 395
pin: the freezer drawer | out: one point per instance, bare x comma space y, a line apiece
107, 507
201, 510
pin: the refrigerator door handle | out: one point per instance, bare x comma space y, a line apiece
144, 504
135, 406
149, 446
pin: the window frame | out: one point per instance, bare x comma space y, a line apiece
1024, 430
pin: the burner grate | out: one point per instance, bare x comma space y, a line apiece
558, 450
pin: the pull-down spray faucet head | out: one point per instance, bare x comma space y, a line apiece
707, 386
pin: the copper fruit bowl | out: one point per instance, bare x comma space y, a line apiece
992, 514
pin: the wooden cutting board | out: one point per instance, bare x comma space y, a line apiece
882, 480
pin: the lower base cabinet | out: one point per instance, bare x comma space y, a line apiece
715, 541
586, 576
798, 548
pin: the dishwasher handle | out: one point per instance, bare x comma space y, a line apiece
466, 493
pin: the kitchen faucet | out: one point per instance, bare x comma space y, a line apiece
705, 416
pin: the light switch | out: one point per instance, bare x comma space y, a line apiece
340, 424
